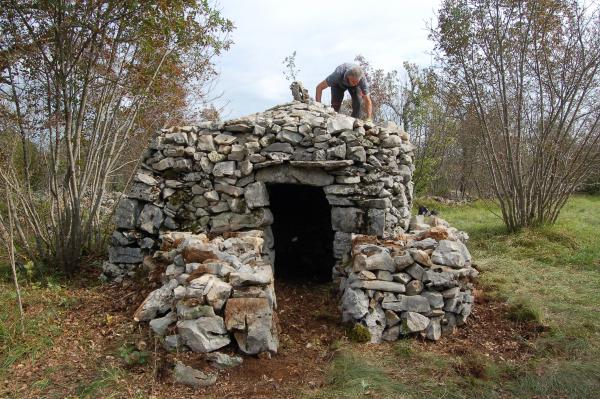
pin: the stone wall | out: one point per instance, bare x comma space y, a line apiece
417, 283
213, 178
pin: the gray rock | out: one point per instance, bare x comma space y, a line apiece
439, 280
451, 253
127, 213
251, 320
378, 261
403, 261
391, 334
280, 147
346, 220
342, 243
436, 300
160, 325
190, 312
174, 343
256, 195
125, 255
151, 218
375, 323
414, 287
355, 304
415, 271
414, 303
204, 334
223, 361
144, 192
226, 168
260, 276
391, 318
158, 302
189, 376
339, 123
378, 285
414, 322
402, 278
384, 275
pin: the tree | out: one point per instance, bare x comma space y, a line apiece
529, 70
82, 80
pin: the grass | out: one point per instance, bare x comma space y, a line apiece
549, 275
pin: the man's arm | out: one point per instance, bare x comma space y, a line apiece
368, 105
320, 87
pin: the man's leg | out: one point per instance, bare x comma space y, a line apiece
356, 101
337, 95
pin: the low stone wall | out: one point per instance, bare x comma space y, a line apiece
414, 283
214, 293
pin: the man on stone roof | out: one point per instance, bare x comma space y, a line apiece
351, 77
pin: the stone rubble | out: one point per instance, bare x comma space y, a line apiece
214, 293
431, 292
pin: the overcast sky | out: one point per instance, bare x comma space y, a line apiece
324, 34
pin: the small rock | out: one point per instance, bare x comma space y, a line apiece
223, 361
189, 376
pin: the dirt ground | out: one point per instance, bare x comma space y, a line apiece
84, 356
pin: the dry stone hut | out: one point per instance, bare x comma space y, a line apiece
297, 191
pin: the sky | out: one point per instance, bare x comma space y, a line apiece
324, 34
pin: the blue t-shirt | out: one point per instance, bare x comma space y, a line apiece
338, 78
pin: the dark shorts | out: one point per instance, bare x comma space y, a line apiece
337, 95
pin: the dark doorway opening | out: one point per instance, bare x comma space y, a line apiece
302, 232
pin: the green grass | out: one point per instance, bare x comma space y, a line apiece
549, 275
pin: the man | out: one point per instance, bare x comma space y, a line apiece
349, 77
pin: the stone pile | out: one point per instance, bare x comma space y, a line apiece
213, 177
214, 292
415, 283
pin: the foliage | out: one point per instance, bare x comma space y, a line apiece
359, 333
528, 71
290, 71
81, 85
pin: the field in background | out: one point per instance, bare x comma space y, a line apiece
540, 288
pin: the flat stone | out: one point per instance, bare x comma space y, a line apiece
332, 164
402, 278
150, 219
251, 320
403, 261
261, 276
435, 298
294, 175
158, 302
161, 324
434, 329
415, 271
355, 304
339, 123
414, 303
280, 147
226, 168
391, 334
414, 287
451, 253
414, 322
126, 213
204, 334
125, 255
256, 195
378, 261
189, 312
223, 361
347, 220
189, 376
379, 286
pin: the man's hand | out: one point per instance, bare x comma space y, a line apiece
369, 120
